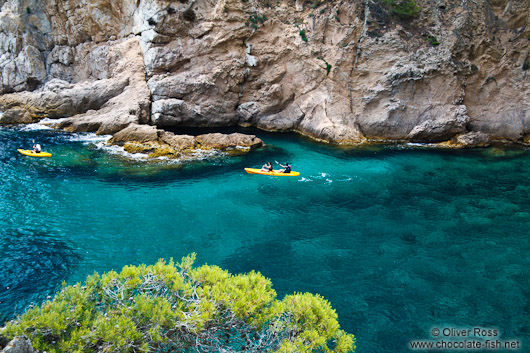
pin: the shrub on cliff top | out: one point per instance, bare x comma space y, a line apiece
175, 307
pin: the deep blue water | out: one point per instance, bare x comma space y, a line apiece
399, 239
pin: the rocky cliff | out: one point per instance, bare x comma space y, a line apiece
337, 70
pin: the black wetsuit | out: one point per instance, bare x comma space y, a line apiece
287, 169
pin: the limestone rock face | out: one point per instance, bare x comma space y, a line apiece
339, 71
105, 104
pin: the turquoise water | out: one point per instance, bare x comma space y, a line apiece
399, 239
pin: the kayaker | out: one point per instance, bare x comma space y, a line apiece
36, 148
286, 168
267, 167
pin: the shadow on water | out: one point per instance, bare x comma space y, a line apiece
33, 263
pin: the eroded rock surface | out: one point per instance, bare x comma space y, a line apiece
157, 142
339, 71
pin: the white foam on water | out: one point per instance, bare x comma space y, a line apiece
237, 147
200, 154
90, 138
117, 150
418, 144
44, 124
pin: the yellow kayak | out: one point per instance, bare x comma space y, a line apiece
33, 154
273, 173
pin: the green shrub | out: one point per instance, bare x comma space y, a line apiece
316, 3
432, 41
255, 19
171, 307
328, 65
404, 9
303, 35
298, 21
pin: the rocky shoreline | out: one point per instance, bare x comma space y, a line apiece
336, 71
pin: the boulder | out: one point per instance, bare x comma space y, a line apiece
148, 139
19, 345
135, 133
442, 127
471, 139
223, 141
178, 142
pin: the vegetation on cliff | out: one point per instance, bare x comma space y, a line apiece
175, 307
404, 9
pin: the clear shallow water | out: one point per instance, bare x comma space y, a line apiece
400, 240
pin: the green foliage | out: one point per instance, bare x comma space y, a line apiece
255, 19
316, 3
328, 65
527, 36
176, 307
298, 21
432, 41
402, 9
303, 35
28, 10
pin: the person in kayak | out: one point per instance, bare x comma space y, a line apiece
267, 167
36, 148
286, 168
